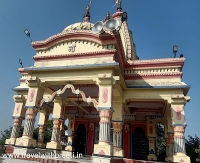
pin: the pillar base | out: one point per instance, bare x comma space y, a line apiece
69, 148
152, 157
67, 153
103, 149
23, 151
40, 145
25, 142
54, 145
166, 159
98, 159
10, 141
179, 157
119, 152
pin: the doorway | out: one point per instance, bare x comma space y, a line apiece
140, 144
80, 140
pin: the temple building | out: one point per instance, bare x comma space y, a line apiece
90, 74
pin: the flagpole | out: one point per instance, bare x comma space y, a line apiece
90, 2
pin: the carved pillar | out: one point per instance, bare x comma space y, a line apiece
16, 127
57, 118
56, 131
29, 122
179, 125
62, 129
104, 125
117, 134
40, 142
43, 122
105, 108
151, 134
70, 134
35, 95
18, 116
179, 139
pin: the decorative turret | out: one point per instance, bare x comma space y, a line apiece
87, 15
107, 15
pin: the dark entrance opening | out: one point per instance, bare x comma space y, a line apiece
140, 144
80, 140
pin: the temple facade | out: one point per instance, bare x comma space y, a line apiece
112, 99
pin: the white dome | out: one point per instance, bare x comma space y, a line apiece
79, 26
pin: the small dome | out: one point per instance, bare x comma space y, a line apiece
79, 26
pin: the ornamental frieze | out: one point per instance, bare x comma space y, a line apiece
154, 83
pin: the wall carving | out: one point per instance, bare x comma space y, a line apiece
104, 97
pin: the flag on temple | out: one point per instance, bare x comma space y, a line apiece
116, 1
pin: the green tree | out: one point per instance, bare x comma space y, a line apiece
161, 145
197, 150
191, 144
48, 132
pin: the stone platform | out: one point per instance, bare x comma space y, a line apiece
69, 160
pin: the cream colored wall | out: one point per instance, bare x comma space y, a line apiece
81, 76
66, 62
82, 46
151, 94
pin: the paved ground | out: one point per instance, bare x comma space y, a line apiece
10, 160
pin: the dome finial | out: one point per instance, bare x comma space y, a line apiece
108, 15
87, 14
119, 7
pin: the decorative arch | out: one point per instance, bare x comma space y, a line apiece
75, 91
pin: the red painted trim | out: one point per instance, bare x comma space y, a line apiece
75, 56
126, 139
142, 125
152, 76
22, 80
160, 102
90, 138
80, 121
67, 36
51, 89
117, 14
167, 63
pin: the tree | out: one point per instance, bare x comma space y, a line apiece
197, 150
161, 145
191, 144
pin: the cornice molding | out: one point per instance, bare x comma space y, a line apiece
74, 56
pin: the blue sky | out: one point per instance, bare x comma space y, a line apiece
157, 25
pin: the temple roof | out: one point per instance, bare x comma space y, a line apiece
79, 26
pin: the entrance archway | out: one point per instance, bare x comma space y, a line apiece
140, 144
80, 140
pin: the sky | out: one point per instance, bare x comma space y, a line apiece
157, 25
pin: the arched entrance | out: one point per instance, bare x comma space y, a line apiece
80, 140
140, 144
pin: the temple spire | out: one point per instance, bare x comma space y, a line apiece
108, 15
119, 7
87, 14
